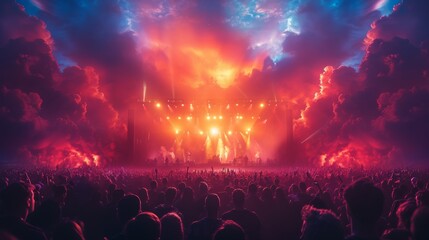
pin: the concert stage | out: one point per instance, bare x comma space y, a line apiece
237, 132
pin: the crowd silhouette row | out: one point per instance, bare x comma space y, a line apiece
222, 204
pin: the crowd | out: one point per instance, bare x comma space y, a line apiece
219, 204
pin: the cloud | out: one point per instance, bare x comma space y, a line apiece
355, 87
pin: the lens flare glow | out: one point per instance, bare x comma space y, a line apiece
214, 131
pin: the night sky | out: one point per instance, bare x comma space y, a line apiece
356, 72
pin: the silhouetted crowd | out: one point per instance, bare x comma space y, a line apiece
222, 204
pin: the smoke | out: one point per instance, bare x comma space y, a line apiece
50, 116
378, 114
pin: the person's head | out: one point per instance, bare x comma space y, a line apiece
229, 230
203, 187
128, 207
364, 203
212, 203
164, 181
143, 194
18, 200
293, 189
280, 194
68, 230
422, 198
188, 193
170, 195
181, 186
153, 184
404, 213
171, 227
117, 195
253, 189
420, 223
267, 194
397, 193
60, 193
238, 197
320, 224
146, 226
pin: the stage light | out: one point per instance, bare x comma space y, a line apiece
158, 105
177, 131
229, 132
214, 117
241, 117
188, 118
208, 117
180, 118
248, 129
201, 132
214, 131
220, 117
168, 118
261, 105
236, 104
183, 105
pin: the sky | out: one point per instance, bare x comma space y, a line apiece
355, 72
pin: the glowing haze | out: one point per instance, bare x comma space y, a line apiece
356, 72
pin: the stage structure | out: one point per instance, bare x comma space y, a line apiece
241, 132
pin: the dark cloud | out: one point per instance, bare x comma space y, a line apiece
49, 116
408, 20
380, 112
15, 23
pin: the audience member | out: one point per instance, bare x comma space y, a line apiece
171, 227
146, 226
204, 228
17, 201
320, 224
364, 205
229, 230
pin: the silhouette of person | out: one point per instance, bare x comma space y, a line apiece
248, 220
229, 230
204, 228
17, 202
364, 204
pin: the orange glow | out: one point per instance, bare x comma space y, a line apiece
261, 105
158, 105
214, 131
193, 55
